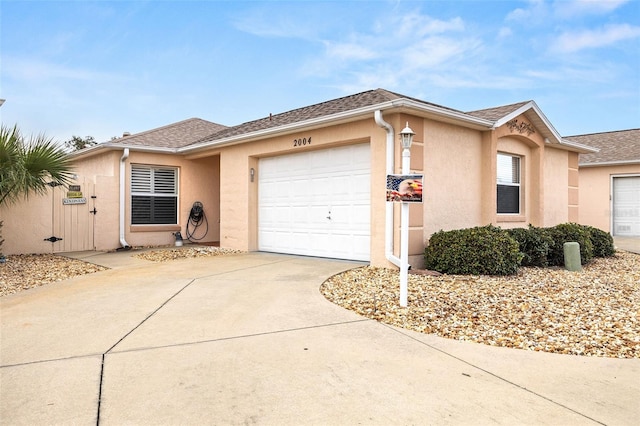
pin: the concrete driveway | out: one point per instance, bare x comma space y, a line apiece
248, 339
631, 244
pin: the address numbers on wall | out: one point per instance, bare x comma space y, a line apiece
301, 142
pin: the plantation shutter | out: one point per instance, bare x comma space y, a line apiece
154, 195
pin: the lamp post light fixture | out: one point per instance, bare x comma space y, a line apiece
406, 138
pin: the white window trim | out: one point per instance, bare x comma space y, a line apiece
152, 194
518, 184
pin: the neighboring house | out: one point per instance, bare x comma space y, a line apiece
610, 182
311, 181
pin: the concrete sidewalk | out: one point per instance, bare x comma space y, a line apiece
248, 339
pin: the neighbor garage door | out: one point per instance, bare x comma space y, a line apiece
626, 206
316, 203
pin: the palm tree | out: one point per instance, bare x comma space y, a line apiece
27, 166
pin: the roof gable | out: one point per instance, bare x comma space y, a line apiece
496, 113
176, 135
618, 147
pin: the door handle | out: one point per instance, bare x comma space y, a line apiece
329, 217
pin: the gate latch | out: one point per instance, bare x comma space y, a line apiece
53, 239
94, 211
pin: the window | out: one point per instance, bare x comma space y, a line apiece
508, 184
154, 195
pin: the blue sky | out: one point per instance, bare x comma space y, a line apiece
104, 67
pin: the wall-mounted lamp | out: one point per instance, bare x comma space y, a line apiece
252, 173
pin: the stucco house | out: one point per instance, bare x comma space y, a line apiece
311, 181
610, 182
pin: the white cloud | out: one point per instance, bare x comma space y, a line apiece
535, 11
24, 69
352, 51
574, 8
295, 22
505, 32
438, 51
569, 42
417, 25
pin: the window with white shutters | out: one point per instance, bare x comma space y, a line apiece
154, 195
508, 180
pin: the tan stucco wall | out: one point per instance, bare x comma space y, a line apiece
459, 167
595, 193
198, 180
556, 188
35, 213
238, 195
453, 186
26, 224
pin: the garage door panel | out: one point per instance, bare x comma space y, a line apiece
350, 217
316, 203
626, 206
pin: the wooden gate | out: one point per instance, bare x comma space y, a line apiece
73, 211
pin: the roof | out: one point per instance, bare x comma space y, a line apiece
619, 147
495, 114
323, 109
197, 135
176, 135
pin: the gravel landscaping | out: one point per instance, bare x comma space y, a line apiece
595, 312
25, 271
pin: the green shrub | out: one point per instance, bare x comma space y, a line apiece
534, 244
486, 250
602, 242
569, 232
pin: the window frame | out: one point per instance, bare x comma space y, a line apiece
513, 182
156, 190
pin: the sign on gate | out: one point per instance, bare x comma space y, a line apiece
74, 196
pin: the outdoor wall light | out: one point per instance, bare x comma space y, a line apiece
252, 173
406, 136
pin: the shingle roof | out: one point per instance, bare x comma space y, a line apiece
622, 146
174, 135
496, 113
334, 106
193, 132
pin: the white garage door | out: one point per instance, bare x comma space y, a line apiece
626, 206
316, 203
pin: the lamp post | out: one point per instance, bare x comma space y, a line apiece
406, 138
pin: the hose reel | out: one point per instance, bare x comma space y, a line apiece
197, 218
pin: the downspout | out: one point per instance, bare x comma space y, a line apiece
388, 228
125, 155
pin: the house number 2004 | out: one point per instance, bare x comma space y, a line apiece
302, 142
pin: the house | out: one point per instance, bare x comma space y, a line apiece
610, 182
312, 181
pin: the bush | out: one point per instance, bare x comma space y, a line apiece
602, 242
1, 240
534, 244
486, 250
569, 232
